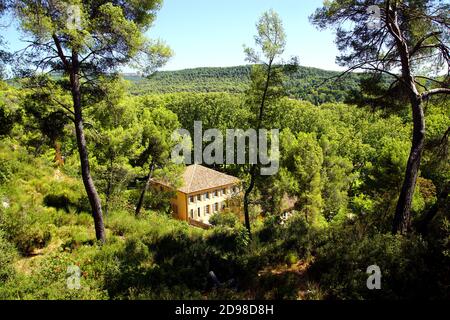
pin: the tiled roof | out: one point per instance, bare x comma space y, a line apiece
197, 178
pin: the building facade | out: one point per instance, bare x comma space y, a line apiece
204, 192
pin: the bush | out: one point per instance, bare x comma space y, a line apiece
300, 237
66, 194
291, 258
124, 223
342, 262
77, 236
224, 219
49, 279
31, 238
270, 229
7, 256
228, 240
25, 233
57, 201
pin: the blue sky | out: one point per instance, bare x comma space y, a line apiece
212, 32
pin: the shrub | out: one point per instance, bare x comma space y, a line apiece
342, 262
7, 256
291, 258
49, 279
77, 236
57, 201
224, 219
124, 223
26, 234
270, 229
299, 236
31, 238
178, 292
66, 194
228, 240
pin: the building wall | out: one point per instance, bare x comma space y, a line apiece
179, 206
178, 203
219, 199
182, 206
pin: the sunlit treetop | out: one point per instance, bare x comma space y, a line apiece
366, 32
104, 35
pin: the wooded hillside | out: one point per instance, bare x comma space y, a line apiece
306, 84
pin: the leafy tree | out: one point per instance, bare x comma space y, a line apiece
156, 138
116, 124
10, 113
305, 83
267, 81
4, 55
410, 35
84, 41
301, 172
44, 115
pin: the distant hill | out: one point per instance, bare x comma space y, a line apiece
306, 84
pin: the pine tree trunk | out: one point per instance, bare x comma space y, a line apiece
144, 191
402, 218
91, 191
247, 199
254, 166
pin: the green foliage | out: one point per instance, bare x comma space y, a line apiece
10, 113
117, 26
341, 166
300, 237
227, 240
28, 238
224, 219
48, 281
300, 175
7, 258
122, 223
342, 262
306, 83
292, 240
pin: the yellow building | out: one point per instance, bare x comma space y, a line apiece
204, 192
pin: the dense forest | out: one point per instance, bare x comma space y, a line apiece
309, 84
363, 159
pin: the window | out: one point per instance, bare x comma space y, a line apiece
198, 212
192, 213
199, 197
191, 199
216, 193
207, 195
224, 191
208, 209
216, 207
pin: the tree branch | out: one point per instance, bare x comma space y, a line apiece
61, 52
429, 93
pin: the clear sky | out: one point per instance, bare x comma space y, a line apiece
206, 33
